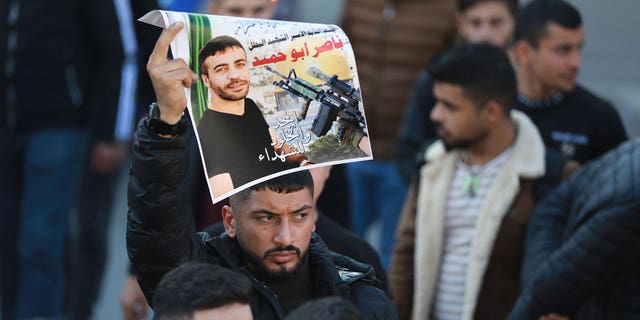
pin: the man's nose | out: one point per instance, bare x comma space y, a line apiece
284, 236
485, 32
233, 73
435, 112
576, 59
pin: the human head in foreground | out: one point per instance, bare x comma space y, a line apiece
475, 88
202, 291
273, 222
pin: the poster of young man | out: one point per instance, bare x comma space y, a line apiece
272, 96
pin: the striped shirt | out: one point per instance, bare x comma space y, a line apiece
465, 200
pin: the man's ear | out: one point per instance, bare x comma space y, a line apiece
205, 80
491, 111
229, 221
522, 51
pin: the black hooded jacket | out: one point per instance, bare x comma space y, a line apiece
161, 235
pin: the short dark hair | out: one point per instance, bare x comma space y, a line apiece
288, 183
215, 45
512, 5
334, 308
534, 18
483, 71
198, 286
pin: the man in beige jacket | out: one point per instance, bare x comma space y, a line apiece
460, 237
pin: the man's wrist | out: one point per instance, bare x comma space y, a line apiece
156, 123
167, 117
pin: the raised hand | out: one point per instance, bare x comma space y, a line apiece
169, 77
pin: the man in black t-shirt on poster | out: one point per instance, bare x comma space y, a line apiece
547, 50
237, 143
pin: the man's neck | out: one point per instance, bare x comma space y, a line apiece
499, 139
226, 106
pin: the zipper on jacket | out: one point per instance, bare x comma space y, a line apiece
267, 292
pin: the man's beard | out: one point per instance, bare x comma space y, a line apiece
224, 93
261, 271
461, 144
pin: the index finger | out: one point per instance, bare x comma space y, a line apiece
159, 53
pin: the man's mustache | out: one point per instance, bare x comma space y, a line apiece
234, 82
282, 249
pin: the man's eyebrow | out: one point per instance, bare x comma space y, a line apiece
303, 208
271, 213
447, 103
220, 65
263, 211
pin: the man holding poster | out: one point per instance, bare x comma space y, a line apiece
269, 227
238, 144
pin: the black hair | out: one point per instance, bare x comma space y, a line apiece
334, 308
512, 5
534, 18
288, 183
198, 286
483, 71
215, 45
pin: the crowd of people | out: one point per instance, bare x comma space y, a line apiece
504, 189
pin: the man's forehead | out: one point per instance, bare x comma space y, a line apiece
272, 200
557, 33
230, 53
487, 8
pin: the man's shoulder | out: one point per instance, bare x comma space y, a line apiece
372, 302
251, 105
584, 98
346, 268
221, 249
207, 120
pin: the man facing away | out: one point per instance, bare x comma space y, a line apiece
477, 21
203, 291
461, 232
582, 252
233, 132
269, 227
547, 49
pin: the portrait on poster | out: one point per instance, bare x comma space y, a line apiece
272, 96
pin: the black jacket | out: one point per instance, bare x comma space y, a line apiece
160, 235
582, 255
340, 240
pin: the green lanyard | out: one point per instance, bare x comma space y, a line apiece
471, 185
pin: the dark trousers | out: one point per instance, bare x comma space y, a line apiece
87, 255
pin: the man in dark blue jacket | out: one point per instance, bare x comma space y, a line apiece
582, 256
269, 227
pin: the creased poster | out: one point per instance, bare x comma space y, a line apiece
272, 96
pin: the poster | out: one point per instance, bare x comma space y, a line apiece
269, 96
